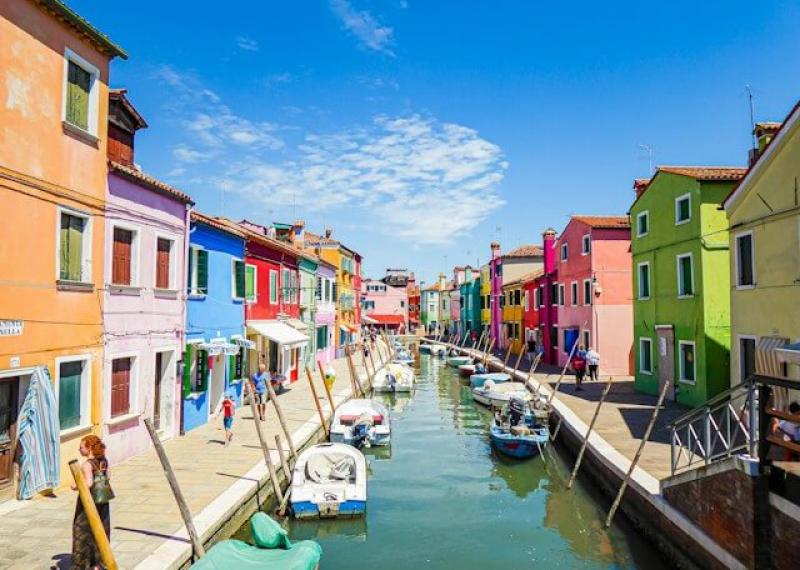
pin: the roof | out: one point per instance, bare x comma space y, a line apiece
605, 222
121, 96
139, 177
217, 223
528, 277
388, 319
709, 173
765, 127
530, 250
79, 24
314, 239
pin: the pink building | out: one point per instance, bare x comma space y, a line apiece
595, 302
385, 302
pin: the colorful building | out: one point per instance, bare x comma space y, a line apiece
385, 301
594, 273
531, 306
512, 303
146, 228
470, 298
486, 296
681, 285
53, 142
414, 303
429, 301
548, 287
762, 213
214, 319
325, 315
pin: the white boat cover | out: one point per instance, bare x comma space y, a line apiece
278, 332
327, 467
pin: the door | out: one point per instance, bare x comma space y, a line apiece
158, 378
217, 383
9, 408
666, 359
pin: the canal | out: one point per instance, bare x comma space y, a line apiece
442, 499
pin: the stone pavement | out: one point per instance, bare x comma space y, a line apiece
146, 527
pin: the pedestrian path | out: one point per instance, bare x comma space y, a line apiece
146, 528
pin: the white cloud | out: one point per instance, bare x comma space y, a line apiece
183, 153
370, 33
247, 44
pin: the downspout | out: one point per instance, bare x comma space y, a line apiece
183, 296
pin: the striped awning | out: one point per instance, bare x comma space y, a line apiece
789, 353
767, 362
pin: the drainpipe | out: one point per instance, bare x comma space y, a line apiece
183, 296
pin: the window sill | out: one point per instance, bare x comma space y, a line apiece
194, 295
745, 287
646, 372
193, 395
687, 382
165, 293
682, 222
129, 290
642, 235
643, 299
74, 431
686, 296
122, 419
65, 285
80, 134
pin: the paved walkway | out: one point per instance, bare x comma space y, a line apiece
147, 530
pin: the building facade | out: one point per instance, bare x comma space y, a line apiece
548, 287
325, 316
385, 301
470, 298
486, 297
512, 302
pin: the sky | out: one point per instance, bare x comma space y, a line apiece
420, 131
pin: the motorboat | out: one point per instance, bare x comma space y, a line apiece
425, 347
329, 480
456, 361
466, 370
497, 395
361, 423
519, 430
394, 377
439, 350
403, 356
478, 380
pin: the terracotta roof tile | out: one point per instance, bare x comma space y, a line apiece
218, 223
605, 222
713, 173
530, 250
135, 175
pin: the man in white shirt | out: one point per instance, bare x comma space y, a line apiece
593, 361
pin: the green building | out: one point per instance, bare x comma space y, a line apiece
681, 283
471, 304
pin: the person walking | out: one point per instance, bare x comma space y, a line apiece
579, 367
531, 347
85, 554
593, 360
228, 410
258, 387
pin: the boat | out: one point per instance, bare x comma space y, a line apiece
425, 347
519, 431
456, 361
329, 481
438, 350
403, 356
394, 377
478, 380
497, 395
272, 549
466, 370
360, 423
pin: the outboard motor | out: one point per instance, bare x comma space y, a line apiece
361, 430
480, 368
516, 411
392, 381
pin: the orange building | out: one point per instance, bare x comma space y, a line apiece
54, 114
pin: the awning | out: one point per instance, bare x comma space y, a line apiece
297, 324
278, 332
789, 353
389, 319
767, 363
241, 341
367, 320
217, 347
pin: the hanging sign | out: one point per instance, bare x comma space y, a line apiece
11, 328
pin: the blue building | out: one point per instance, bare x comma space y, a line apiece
215, 359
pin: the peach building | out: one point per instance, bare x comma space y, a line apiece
594, 295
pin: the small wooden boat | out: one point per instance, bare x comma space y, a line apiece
403, 356
361, 422
497, 395
466, 370
520, 429
329, 481
425, 347
438, 350
478, 380
456, 361
394, 377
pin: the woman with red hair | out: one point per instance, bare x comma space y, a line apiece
85, 554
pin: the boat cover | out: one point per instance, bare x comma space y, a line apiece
324, 468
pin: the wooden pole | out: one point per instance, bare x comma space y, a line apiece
274, 399
349, 353
516, 366
508, 355
638, 455
486, 355
464, 340
287, 473
477, 347
353, 386
589, 432
374, 370
531, 370
563, 372
273, 476
95, 524
325, 384
186, 514
316, 401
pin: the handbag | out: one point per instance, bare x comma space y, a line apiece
102, 493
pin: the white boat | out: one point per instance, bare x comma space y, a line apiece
329, 480
497, 395
359, 422
394, 377
438, 350
403, 356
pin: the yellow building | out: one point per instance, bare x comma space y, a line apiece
486, 291
765, 256
512, 316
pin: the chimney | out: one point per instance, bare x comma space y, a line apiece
123, 122
640, 185
328, 232
442, 281
763, 133
299, 236
549, 246
495, 249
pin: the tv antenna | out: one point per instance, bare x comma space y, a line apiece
751, 100
648, 148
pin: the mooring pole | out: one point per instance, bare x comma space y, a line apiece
316, 401
516, 366
353, 373
95, 523
282, 420
486, 355
186, 514
563, 372
371, 379
636, 457
589, 432
273, 476
508, 355
327, 389
287, 472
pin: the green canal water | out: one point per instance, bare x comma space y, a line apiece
442, 499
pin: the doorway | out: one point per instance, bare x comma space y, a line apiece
666, 358
9, 411
158, 378
217, 383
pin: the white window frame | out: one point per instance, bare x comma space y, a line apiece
537, 301
752, 258
135, 252
255, 283
562, 295
192, 285
86, 390
573, 289
678, 200
587, 299
173, 252
649, 341
86, 251
564, 252
526, 301
639, 295
133, 386
94, 92
274, 292
646, 215
739, 339
681, 376
586, 244
678, 273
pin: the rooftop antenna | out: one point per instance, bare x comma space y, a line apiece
648, 148
752, 115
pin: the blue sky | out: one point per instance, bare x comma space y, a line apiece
422, 130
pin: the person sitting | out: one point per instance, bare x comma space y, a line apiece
789, 431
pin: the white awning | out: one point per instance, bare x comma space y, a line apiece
278, 332
297, 324
241, 341
789, 353
767, 356
218, 347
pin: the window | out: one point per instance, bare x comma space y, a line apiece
294, 296
80, 93
645, 356
745, 262
73, 391
586, 245
238, 277
239, 364
74, 247
285, 285
498, 270
122, 257
747, 357
541, 296
198, 271
369, 305
328, 290
644, 280
685, 276
554, 294
164, 247
518, 297
642, 223
586, 339
564, 252
196, 370
121, 386
574, 291
554, 336
683, 209
537, 298
686, 361
527, 301
273, 287
562, 294
403, 304
322, 337
587, 291
250, 283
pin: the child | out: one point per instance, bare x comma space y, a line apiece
228, 410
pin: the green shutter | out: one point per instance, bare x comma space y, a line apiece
187, 370
238, 279
273, 287
78, 85
69, 394
202, 271
232, 368
250, 283
202, 367
71, 243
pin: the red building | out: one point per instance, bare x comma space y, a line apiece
530, 309
548, 300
